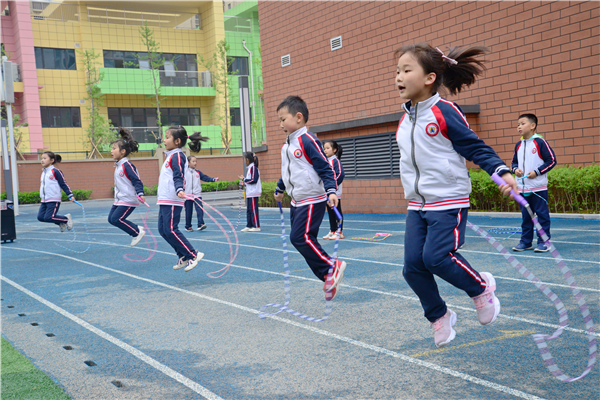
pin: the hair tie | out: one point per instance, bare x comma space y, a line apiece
124, 141
450, 60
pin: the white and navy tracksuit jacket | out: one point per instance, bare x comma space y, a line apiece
435, 139
128, 186
51, 183
193, 185
534, 154
170, 182
308, 178
338, 172
253, 192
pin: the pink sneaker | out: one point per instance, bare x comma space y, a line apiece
443, 331
336, 277
487, 304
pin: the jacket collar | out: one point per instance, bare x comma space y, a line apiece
121, 161
297, 133
534, 136
331, 158
422, 106
48, 168
168, 153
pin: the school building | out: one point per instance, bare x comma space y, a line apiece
338, 56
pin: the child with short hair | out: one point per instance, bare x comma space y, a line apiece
253, 192
193, 185
308, 178
533, 154
333, 151
129, 189
172, 196
434, 140
51, 182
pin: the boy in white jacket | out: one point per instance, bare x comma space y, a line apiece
193, 185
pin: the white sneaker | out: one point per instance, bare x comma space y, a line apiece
246, 229
135, 240
328, 236
192, 263
69, 222
63, 226
254, 230
180, 264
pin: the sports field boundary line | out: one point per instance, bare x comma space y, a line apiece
358, 343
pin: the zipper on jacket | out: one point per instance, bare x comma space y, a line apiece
414, 160
289, 168
44, 184
524, 169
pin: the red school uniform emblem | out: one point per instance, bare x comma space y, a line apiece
121, 174
297, 153
533, 151
432, 129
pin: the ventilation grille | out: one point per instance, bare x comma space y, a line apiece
286, 60
336, 43
81, 101
372, 156
77, 45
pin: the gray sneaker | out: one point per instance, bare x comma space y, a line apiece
63, 226
191, 264
69, 222
180, 264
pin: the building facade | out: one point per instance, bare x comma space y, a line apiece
338, 55
46, 41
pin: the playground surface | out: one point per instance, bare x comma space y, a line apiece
104, 327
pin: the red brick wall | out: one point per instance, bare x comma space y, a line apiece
544, 59
97, 175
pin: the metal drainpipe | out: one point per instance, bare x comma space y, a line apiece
251, 84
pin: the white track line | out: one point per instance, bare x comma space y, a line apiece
375, 291
201, 390
358, 343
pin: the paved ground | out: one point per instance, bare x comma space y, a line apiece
155, 333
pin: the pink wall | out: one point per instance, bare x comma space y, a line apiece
17, 36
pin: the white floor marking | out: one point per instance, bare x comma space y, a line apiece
375, 291
201, 390
403, 357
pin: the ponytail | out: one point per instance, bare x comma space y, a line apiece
459, 68
53, 156
196, 141
337, 147
126, 142
251, 157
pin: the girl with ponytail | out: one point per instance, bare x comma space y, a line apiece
253, 192
435, 139
51, 183
172, 195
129, 189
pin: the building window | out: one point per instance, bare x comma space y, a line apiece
236, 116
146, 117
237, 65
47, 58
180, 116
133, 59
61, 117
372, 156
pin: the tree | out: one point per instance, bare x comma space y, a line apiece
257, 125
218, 65
155, 60
99, 128
18, 134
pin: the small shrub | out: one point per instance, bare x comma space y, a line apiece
267, 198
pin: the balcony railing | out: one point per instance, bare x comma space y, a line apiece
48, 10
176, 20
144, 134
185, 78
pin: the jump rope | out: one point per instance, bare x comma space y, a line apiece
137, 258
240, 193
75, 233
513, 231
377, 238
286, 277
541, 340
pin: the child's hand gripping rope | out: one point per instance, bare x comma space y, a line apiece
75, 231
232, 256
541, 340
148, 232
286, 276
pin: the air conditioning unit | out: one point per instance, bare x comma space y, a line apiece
206, 79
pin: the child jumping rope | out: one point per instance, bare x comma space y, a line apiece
51, 182
308, 178
434, 140
193, 185
129, 189
171, 195
333, 151
253, 192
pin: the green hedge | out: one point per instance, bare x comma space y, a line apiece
34, 197
570, 190
266, 199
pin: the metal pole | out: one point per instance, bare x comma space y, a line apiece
13, 159
6, 164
